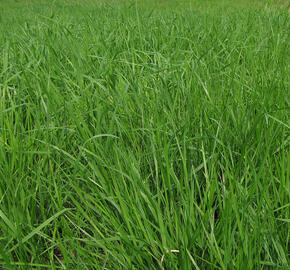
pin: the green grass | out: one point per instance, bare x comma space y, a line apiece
130, 129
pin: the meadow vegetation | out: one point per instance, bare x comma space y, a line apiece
132, 128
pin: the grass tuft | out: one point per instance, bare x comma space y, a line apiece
144, 135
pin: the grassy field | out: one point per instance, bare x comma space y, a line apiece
144, 134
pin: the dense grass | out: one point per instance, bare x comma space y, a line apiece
130, 129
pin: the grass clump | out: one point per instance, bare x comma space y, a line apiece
144, 135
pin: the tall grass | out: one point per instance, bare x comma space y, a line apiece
130, 129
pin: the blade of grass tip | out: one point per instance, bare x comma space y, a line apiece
8, 222
58, 149
192, 260
282, 207
99, 135
214, 245
13, 107
287, 220
209, 263
206, 175
40, 227
277, 120
280, 250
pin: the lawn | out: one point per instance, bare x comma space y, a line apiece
144, 134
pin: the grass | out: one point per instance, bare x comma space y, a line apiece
130, 129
